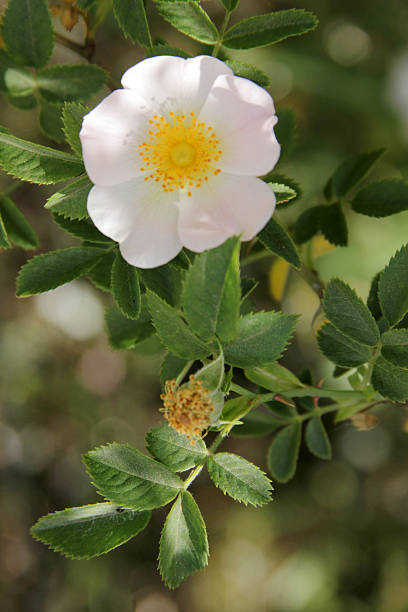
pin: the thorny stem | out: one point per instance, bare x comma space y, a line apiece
218, 44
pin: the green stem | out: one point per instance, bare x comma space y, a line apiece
335, 394
195, 472
192, 476
221, 33
367, 376
184, 372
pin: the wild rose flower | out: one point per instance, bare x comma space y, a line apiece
174, 158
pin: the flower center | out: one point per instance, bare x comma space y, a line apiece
180, 152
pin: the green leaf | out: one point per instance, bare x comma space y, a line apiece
277, 240
308, 224
4, 240
382, 199
173, 449
393, 287
70, 82
125, 333
173, 331
183, 542
333, 224
240, 479
285, 131
283, 452
18, 229
89, 531
261, 339
72, 199
212, 292
27, 32
230, 5
171, 368
283, 193
263, 30
352, 171
51, 121
341, 349
390, 380
14, 80
83, 229
125, 476
131, 17
317, 439
247, 71
236, 408
100, 274
188, 17
373, 302
125, 287
165, 49
72, 116
395, 347
256, 424
166, 281
274, 377
35, 163
50, 270
348, 313
212, 374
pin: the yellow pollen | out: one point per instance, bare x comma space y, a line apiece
187, 409
180, 152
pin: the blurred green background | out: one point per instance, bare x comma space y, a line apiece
335, 538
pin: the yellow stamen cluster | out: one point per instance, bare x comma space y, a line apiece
187, 409
181, 152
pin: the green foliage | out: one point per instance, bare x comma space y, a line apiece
27, 32
212, 292
277, 240
125, 287
51, 123
240, 479
50, 270
261, 339
268, 29
382, 199
173, 331
70, 82
165, 49
72, 116
332, 223
4, 241
393, 287
89, 531
236, 408
16, 226
23, 102
256, 424
183, 542
15, 81
274, 377
283, 193
373, 301
247, 71
212, 374
348, 313
83, 229
126, 477
283, 452
317, 439
395, 347
166, 281
188, 17
230, 5
173, 449
125, 333
131, 17
350, 172
170, 368
341, 349
72, 199
390, 380
100, 273
285, 131
35, 163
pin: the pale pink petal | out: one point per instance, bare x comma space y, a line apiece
141, 217
228, 205
171, 83
110, 136
243, 117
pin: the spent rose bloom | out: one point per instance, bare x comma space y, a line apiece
174, 158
